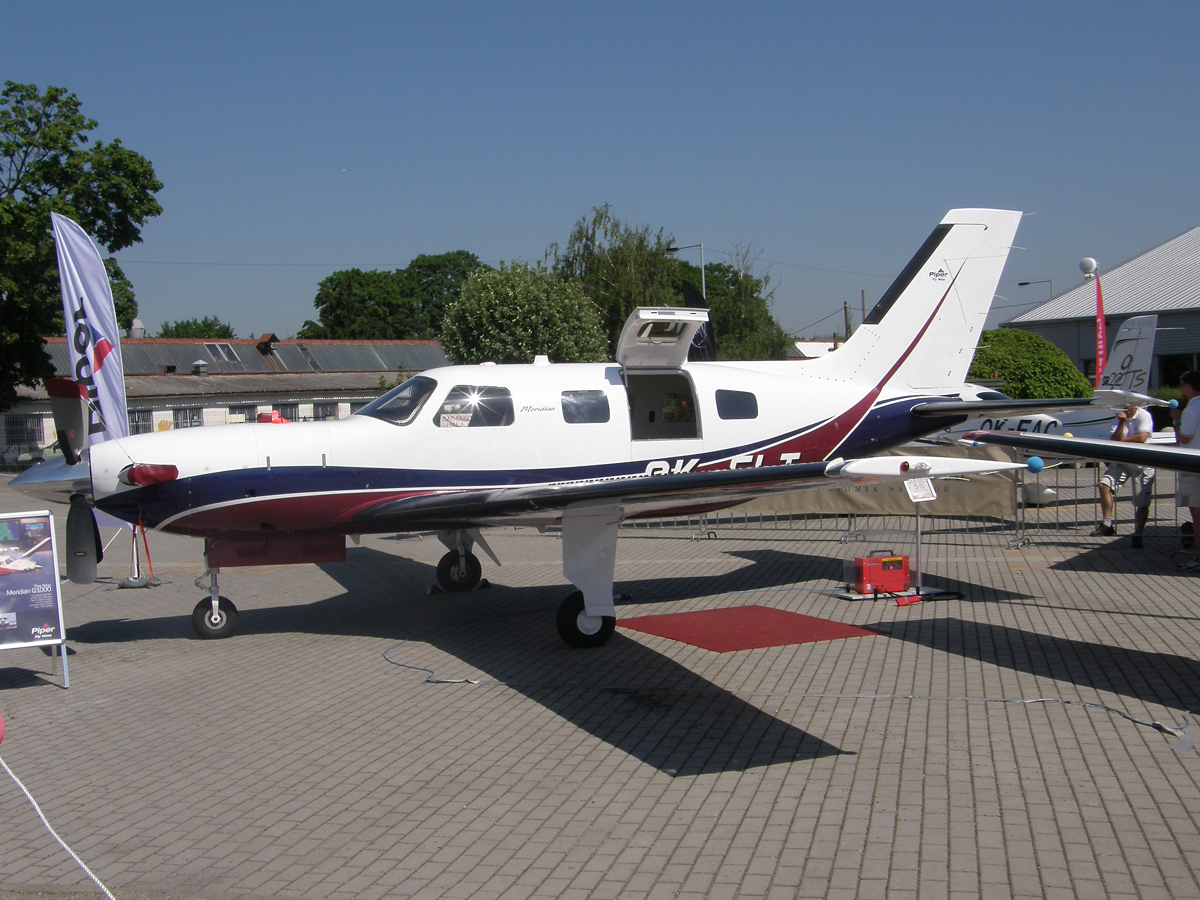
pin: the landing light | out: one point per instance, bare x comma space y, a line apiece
145, 474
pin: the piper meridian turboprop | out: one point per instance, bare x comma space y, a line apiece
585, 446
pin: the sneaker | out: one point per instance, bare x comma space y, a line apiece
1103, 530
1136, 541
1188, 537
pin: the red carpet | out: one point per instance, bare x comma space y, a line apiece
742, 628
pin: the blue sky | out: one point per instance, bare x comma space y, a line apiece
294, 139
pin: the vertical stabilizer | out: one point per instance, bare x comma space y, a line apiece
922, 333
1129, 357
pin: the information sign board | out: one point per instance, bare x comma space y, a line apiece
30, 601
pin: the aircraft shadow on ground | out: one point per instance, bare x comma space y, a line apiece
1153, 559
626, 694
1163, 678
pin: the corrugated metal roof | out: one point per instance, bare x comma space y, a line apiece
154, 356
364, 384
1164, 279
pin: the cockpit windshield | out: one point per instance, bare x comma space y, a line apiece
401, 404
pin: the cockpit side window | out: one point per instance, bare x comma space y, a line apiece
475, 406
401, 404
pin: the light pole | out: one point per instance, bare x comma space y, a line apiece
673, 250
1049, 281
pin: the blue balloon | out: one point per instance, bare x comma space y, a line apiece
1174, 404
1035, 464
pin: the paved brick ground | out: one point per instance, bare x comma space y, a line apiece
329, 749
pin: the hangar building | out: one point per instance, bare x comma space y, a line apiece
183, 383
1164, 280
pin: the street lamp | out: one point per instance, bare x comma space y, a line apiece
1049, 281
703, 292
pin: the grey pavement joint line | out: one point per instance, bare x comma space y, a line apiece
53, 833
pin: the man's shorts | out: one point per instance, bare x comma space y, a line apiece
1187, 489
1116, 474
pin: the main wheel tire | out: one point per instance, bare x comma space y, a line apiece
454, 579
206, 627
578, 629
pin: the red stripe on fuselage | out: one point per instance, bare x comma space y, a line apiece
305, 512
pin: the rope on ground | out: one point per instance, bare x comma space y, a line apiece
53, 833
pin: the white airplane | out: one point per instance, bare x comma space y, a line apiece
1125, 376
585, 446
11, 565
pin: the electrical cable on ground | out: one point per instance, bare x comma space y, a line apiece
53, 833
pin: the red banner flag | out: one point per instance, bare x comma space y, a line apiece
1101, 342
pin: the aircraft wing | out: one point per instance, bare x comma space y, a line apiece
1179, 459
662, 493
975, 409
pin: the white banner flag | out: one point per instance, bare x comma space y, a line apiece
93, 341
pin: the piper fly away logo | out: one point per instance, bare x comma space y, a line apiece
939, 275
93, 349
40, 632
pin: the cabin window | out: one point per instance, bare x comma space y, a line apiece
401, 404
475, 406
737, 405
585, 407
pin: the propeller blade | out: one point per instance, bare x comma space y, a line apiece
84, 550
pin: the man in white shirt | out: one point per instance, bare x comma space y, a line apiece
1132, 425
1187, 434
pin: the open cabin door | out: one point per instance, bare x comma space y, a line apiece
653, 348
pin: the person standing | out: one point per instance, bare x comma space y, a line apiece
1132, 425
1187, 434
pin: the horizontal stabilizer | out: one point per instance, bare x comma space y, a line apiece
1130, 453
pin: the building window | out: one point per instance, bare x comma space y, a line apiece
1171, 366
324, 411
187, 418
289, 411
240, 414
141, 421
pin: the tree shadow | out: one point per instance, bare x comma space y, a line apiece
626, 694
1163, 678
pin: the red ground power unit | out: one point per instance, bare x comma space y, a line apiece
880, 574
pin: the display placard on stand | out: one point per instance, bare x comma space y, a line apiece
30, 601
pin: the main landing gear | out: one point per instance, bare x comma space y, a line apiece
215, 617
578, 629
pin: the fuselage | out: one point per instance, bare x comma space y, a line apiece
477, 428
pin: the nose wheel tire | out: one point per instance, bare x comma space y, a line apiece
578, 629
455, 576
210, 628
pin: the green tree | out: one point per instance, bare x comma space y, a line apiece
433, 283
406, 303
46, 166
512, 314
619, 268
208, 328
362, 306
1031, 366
739, 311
122, 291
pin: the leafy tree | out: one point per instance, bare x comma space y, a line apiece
1031, 366
362, 306
511, 314
739, 312
123, 301
434, 282
621, 267
208, 328
406, 303
45, 167
618, 266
